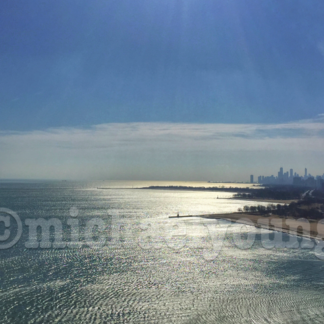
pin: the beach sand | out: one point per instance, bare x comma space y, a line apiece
272, 201
307, 228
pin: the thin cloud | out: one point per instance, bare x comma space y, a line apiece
170, 149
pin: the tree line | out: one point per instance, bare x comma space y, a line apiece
301, 209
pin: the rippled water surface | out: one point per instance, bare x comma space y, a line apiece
150, 269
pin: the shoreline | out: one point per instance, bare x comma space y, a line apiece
267, 200
312, 229
233, 190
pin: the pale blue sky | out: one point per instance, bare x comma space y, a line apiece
71, 69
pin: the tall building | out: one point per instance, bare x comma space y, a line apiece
297, 181
280, 175
292, 178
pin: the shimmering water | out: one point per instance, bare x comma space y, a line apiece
155, 278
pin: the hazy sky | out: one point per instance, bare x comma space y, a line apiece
105, 71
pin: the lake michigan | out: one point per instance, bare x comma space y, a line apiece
131, 263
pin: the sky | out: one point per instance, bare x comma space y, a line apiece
160, 89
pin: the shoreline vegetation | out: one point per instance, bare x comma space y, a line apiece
282, 193
293, 210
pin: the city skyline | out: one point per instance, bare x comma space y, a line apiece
291, 178
129, 133
161, 90
161, 151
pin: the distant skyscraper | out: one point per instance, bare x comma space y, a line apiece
291, 178
280, 175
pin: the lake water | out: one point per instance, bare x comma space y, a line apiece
142, 267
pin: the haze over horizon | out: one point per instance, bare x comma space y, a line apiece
161, 90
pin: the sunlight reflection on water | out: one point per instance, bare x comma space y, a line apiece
165, 283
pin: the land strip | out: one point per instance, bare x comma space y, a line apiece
301, 227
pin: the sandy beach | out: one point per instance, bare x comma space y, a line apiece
311, 228
271, 201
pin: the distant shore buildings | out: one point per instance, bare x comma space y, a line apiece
292, 178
